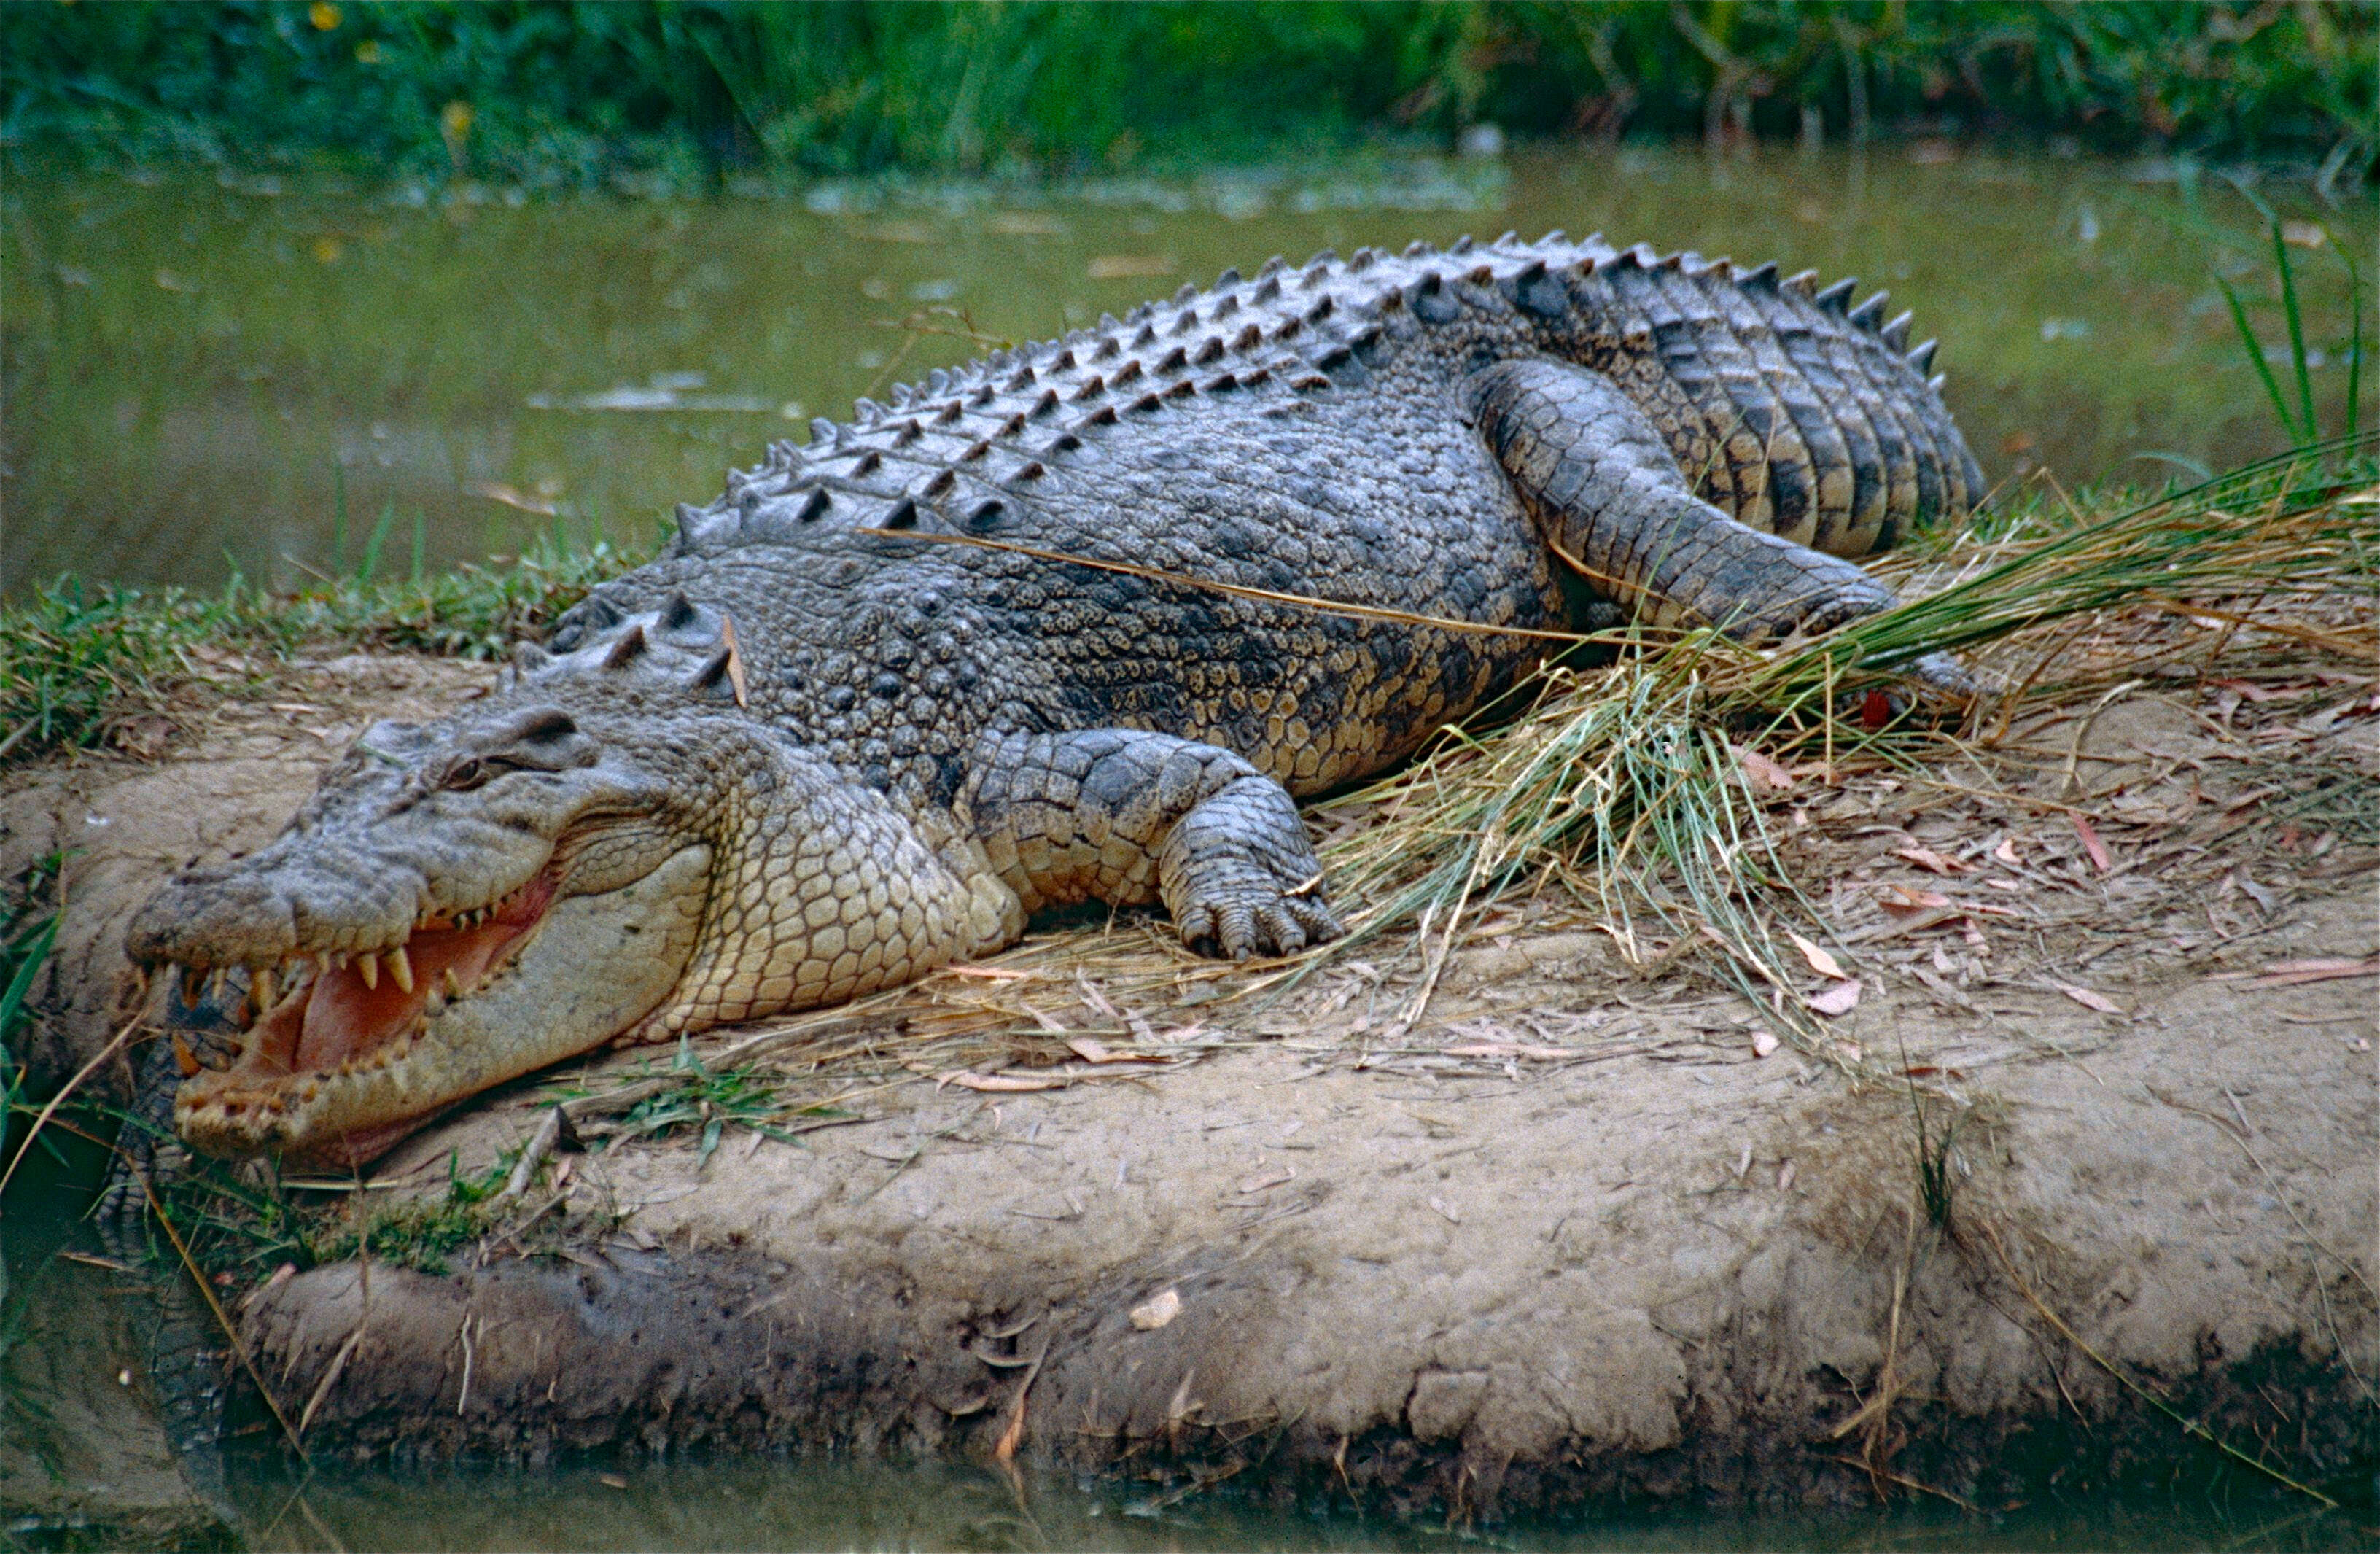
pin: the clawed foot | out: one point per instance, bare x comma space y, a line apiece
1243, 910
1241, 878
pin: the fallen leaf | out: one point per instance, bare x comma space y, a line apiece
1764, 772
1268, 1179
1158, 1310
1926, 857
1003, 1083
1838, 999
1452, 1217
2090, 999
1510, 1049
1901, 898
1785, 1174
1763, 1043
990, 973
2006, 851
2283, 974
2092, 845
1820, 962
611, 1480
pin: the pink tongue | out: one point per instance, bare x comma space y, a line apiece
346, 1019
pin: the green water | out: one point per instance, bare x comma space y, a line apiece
283, 376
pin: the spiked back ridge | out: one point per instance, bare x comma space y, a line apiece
956, 450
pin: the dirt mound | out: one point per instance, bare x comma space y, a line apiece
2099, 1125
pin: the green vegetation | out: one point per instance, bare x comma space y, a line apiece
576, 92
24, 948
77, 659
239, 1224
691, 1096
415, 1232
2301, 424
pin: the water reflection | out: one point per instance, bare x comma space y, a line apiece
754, 1504
279, 376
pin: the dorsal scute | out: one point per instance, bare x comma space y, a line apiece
950, 440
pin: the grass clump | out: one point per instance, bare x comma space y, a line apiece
77, 659
1628, 792
415, 1232
25, 946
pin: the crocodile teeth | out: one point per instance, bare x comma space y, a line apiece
262, 990
216, 984
193, 985
400, 967
453, 983
433, 1005
368, 966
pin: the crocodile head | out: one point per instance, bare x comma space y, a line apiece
569, 861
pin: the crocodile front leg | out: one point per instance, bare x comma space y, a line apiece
1128, 817
1600, 479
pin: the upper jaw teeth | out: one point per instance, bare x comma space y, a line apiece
272, 984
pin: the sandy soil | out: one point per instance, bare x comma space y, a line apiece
1579, 1230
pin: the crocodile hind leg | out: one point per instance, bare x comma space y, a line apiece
1128, 817
1599, 479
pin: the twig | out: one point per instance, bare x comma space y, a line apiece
2189, 1427
541, 1143
1903, 1480
463, 1398
60, 1100
223, 1317
1004, 1450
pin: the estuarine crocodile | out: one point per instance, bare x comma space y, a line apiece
1074, 622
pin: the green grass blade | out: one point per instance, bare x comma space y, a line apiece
2256, 359
2355, 338
338, 518
2296, 329
370, 563
13, 1000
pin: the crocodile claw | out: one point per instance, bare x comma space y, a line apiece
1248, 913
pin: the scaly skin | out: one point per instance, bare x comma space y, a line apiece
979, 653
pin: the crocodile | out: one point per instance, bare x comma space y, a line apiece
1075, 621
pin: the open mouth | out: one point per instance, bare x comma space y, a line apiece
317, 1018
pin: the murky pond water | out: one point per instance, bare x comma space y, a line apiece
274, 376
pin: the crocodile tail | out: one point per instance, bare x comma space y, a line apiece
1789, 409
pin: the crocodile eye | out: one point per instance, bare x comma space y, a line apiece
464, 775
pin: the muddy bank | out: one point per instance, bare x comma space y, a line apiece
1574, 1233
1481, 1291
